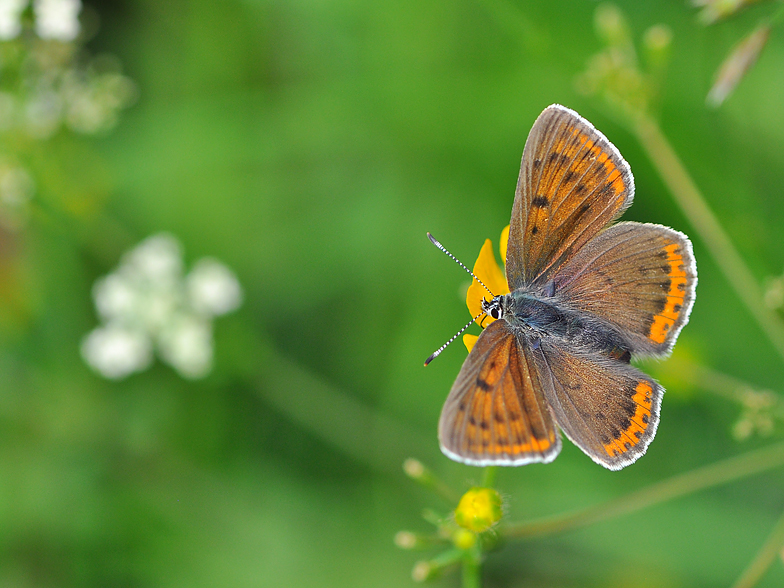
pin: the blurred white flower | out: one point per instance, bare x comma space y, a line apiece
115, 297
45, 85
149, 295
156, 259
11, 18
159, 303
43, 112
86, 114
93, 102
213, 288
185, 343
57, 19
116, 351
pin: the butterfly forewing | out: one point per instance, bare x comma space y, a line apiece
639, 277
608, 408
496, 413
573, 182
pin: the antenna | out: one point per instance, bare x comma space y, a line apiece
438, 351
473, 320
460, 263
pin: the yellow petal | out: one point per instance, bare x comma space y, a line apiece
486, 269
469, 341
504, 242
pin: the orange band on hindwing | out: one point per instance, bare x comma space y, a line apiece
676, 293
638, 422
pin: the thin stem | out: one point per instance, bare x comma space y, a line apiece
767, 554
417, 471
488, 480
699, 214
734, 468
427, 570
472, 568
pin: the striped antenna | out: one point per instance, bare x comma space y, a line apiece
438, 351
473, 320
460, 263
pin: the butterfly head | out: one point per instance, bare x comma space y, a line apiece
495, 308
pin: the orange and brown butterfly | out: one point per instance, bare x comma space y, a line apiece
581, 297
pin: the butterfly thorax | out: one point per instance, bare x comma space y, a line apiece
540, 316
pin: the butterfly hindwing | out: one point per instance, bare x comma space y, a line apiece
573, 182
496, 413
639, 277
606, 407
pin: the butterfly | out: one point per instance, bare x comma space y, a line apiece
586, 296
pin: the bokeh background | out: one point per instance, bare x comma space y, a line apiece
309, 146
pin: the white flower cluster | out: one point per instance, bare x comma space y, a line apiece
54, 19
147, 304
47, 83
44, 85
11, 18
81, 99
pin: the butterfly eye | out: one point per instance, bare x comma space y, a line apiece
493, 308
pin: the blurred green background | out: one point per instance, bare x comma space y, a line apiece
309, 145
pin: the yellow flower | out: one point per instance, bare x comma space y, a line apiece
479, 509
486, 269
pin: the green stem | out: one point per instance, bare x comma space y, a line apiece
425, 476
472, 568
699, 214
767, 554
427, 570
489, 477
722, 472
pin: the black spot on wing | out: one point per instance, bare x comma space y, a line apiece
540, 201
